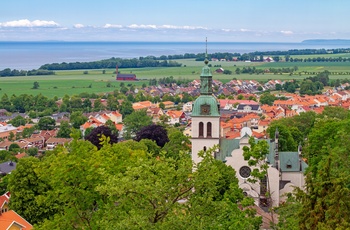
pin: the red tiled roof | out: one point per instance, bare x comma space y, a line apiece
9, 218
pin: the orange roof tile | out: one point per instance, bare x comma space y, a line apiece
21, 155
7, 219
174, 113
119, 126
3, 200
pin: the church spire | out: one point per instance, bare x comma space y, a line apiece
206, 76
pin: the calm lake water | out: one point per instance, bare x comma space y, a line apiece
31, 55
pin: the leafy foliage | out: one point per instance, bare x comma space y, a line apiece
153, 132
135, 122
95, 137
122, 186
46, 123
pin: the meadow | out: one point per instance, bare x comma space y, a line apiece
75, 81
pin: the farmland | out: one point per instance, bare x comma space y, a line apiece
75, 81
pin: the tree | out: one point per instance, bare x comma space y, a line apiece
110, 124
256, 157
325, 202
77, 119
126, 108
27, 132
153, 132
26, 189
286, 141
46, 123
278, 87
112, 103
32, 151
18, 121
96, 136
35, 85
267, 98
64, 131
11, 136
161, 105
14, 147
134, 122
79, 189
178, 143
98, 106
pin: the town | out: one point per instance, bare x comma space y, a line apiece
245, 110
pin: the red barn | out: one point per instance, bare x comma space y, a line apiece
125, 77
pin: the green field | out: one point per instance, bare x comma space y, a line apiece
75, 82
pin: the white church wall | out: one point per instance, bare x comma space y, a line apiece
274, 183
297, 178
199, 144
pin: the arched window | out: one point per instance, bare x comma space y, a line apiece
201, 128
209, 129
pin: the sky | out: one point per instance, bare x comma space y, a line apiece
176, 20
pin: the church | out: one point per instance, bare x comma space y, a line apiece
286, 169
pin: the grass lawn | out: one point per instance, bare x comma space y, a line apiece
75, 81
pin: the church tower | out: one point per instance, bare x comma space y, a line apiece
205, 116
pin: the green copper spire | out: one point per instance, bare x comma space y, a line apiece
206, 104
206, 76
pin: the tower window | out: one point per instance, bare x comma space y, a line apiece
205, 148
201, 128
209, 129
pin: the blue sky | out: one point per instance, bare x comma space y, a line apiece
177, 20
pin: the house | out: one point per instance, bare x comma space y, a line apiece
246, 108
187, 107
5, 131
168, 104
155, 113
219, 70
125, 77
35, 142
142, 105
175, 116
46, 134
10, 220
52, 142
4, 202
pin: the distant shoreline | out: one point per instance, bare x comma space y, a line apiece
28, 55
326, 41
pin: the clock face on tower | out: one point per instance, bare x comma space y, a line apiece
205, 109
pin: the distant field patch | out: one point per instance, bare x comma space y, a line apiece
75, 81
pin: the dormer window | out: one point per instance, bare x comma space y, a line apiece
289, 164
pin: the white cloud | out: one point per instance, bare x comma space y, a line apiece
27, 23
287, 32
182, 27
172, 27
78, 26
135, 26
245, 30
112, 26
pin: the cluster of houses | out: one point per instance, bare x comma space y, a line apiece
235, 114
229, 88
